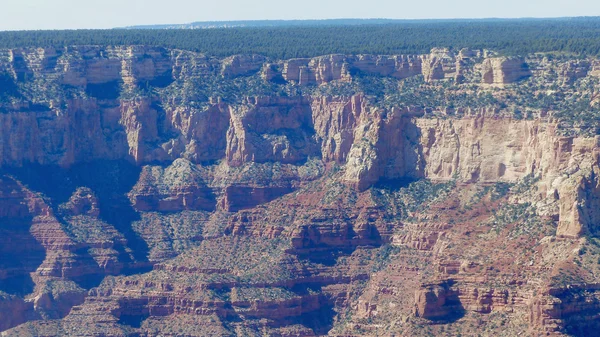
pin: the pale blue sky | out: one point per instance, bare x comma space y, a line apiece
74, 14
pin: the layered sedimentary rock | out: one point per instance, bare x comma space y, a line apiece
440, 64
559, 307
294, 212
483, 149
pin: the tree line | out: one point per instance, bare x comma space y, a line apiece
509, 37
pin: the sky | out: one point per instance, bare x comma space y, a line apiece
80, 14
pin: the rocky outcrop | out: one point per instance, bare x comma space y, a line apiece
287, 138
316, 237
595, 68
146, 132
175, 188
92, 67
381, 149
438, 65
82, 202
397, 66
317, 70
447, 300
17, 211
432, 69
14, 311
55, 298
504, 70
199, 135
334, 122
574, 70
240, 65
579, 201
535, 149
131, 130
573, 310
437, 301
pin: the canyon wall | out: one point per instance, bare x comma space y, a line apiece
118, 181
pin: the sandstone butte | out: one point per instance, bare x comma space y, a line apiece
146, 192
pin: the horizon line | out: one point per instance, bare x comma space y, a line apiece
322, 20
367, 19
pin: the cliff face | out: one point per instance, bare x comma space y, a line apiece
119, 128
439, 64
142, 188
502, 70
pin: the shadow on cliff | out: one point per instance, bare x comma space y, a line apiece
327, 258
413, 160
110, 181
8, 87
585, 323
395, 184
20, 258
110, 90
20, 253
582, 330
320, 321
456, 312
440, 303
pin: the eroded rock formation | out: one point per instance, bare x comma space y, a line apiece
504, 70
234, 211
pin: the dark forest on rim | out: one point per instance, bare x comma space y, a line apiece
518, 36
